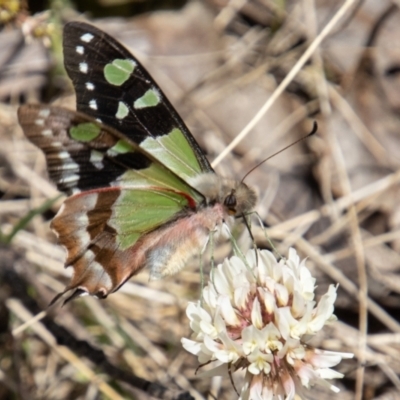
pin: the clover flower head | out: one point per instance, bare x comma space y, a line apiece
257, 314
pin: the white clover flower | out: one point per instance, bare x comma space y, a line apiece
257, 314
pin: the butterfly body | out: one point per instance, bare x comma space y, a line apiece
143, 194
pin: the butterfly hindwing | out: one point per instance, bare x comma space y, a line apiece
112, 86
110, 233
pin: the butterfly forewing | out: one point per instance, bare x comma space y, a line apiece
83, 154
114, 88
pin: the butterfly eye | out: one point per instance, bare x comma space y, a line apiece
230, 202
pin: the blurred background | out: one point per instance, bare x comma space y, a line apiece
334, 197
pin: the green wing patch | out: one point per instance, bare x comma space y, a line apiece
136, 212
173, 150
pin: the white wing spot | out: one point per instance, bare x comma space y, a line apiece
69, 178
70, 165
80, 49
111, 153
89, 86
63, 155
47, 132
101, 274
44, 112
91, 201
87, 37
96, 158
82, 222
69, 170
99, 120
89, 256
39, 122
93, 104
83, 67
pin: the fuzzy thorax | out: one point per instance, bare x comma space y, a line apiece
236, 196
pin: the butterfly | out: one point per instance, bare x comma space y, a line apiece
142, 193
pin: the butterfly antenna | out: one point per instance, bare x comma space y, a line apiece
313, 131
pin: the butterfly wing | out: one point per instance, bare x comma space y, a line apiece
83, 154
110, 234
128, 194
112, 86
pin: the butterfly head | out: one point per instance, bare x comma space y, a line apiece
235, 196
